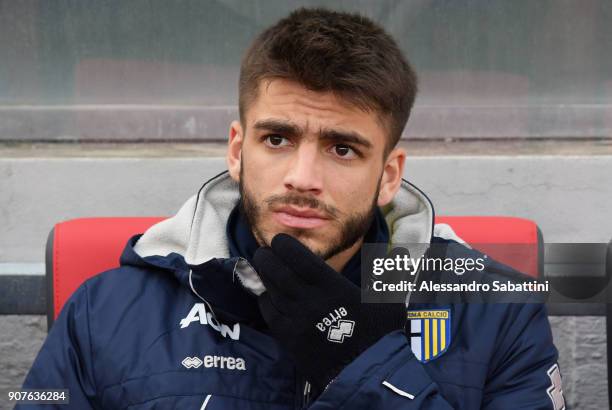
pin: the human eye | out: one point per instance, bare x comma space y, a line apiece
276, 141
344, 151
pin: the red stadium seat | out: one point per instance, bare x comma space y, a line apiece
516, 242
81, 248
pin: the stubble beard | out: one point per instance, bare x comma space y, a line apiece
352, 228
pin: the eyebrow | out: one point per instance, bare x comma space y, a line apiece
280, 127
345, 136
291, 129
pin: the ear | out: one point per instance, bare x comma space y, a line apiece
234, 150
391, 178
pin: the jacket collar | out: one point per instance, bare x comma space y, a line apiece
197, 235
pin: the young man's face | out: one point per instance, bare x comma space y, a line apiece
310, 164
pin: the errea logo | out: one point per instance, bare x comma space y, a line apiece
199, 314
190, 362
221, 362
337, 333
336, 327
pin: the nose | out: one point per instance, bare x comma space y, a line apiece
305, 174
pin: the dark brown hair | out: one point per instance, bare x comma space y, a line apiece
347, 54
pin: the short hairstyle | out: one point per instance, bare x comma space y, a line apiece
329, 51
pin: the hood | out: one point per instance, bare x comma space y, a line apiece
197, 233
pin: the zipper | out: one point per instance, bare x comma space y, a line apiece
303, 392
306, 395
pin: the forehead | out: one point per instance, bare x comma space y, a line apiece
312, 110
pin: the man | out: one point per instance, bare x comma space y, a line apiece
248, 298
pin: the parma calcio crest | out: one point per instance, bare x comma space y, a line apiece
429, 332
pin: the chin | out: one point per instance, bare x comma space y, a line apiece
307, 238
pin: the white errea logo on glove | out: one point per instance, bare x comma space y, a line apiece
343, 329
337, 328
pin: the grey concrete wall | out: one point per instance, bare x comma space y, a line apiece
20, 340
580, 341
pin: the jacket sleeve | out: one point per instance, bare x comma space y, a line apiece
386, 376
526, 374
65, 358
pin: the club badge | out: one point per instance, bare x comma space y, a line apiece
429, 332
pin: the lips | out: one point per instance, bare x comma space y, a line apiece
305, 218
301, 212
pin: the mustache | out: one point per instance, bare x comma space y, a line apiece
302, 201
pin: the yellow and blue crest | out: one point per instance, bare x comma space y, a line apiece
429, 332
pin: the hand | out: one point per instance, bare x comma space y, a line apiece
316, 313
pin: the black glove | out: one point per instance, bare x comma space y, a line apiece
315, 313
